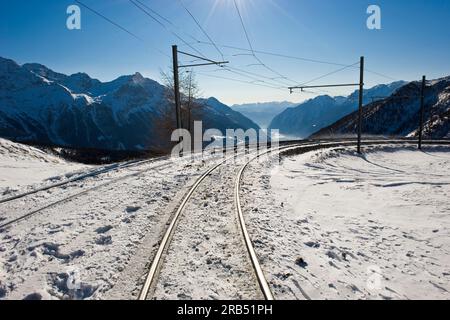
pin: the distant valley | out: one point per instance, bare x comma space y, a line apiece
263, 112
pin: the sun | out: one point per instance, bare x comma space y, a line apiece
221, 5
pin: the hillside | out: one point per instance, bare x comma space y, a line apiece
398, 115
322, 111
22, 165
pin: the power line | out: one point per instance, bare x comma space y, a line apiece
329, 74
118, 26
244, 74
236, 70
249, 74
280, 55
241, 81
165, 19
201, 28
243, 27
286, 56
241, 72
251, 46
259, 84
109, 20
141, 6
273, 79
380, 74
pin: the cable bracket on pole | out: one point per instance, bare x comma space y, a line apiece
209, 61
302, 88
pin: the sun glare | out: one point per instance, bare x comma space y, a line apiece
221, 5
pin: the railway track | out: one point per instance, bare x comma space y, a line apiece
91, 174
78, 194
297, 147
110, 168
303, 148
152, 274
133, 163
84, 192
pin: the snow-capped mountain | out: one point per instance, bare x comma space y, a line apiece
317, 113
398, 115
262, 112
42, 106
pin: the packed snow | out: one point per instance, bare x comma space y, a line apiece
332, 224
96, 244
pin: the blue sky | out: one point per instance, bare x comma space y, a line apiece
414, 40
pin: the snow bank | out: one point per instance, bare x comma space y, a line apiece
336, 225
22, 165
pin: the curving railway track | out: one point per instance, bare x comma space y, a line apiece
158, 259
64, 184
227, 255
91, 174
152, 276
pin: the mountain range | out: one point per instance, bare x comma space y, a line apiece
314, 114
39, 105
399, 114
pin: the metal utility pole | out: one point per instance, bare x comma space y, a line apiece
189, 102
361, 96
176, 79
176, 86
422, 110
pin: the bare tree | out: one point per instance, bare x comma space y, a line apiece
191, 108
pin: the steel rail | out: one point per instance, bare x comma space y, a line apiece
264, 286
165, 242
152, 273
66, 199
93, 173
76, 195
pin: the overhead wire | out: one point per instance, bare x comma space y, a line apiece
143, 7
154, 15
252, 49
201, 28
119, 26
241, 81
147, 10
229, 68
328, 74
238, 71
291, 57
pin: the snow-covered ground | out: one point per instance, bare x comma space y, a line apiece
335, 225
327, 224
96, 245
23, 166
